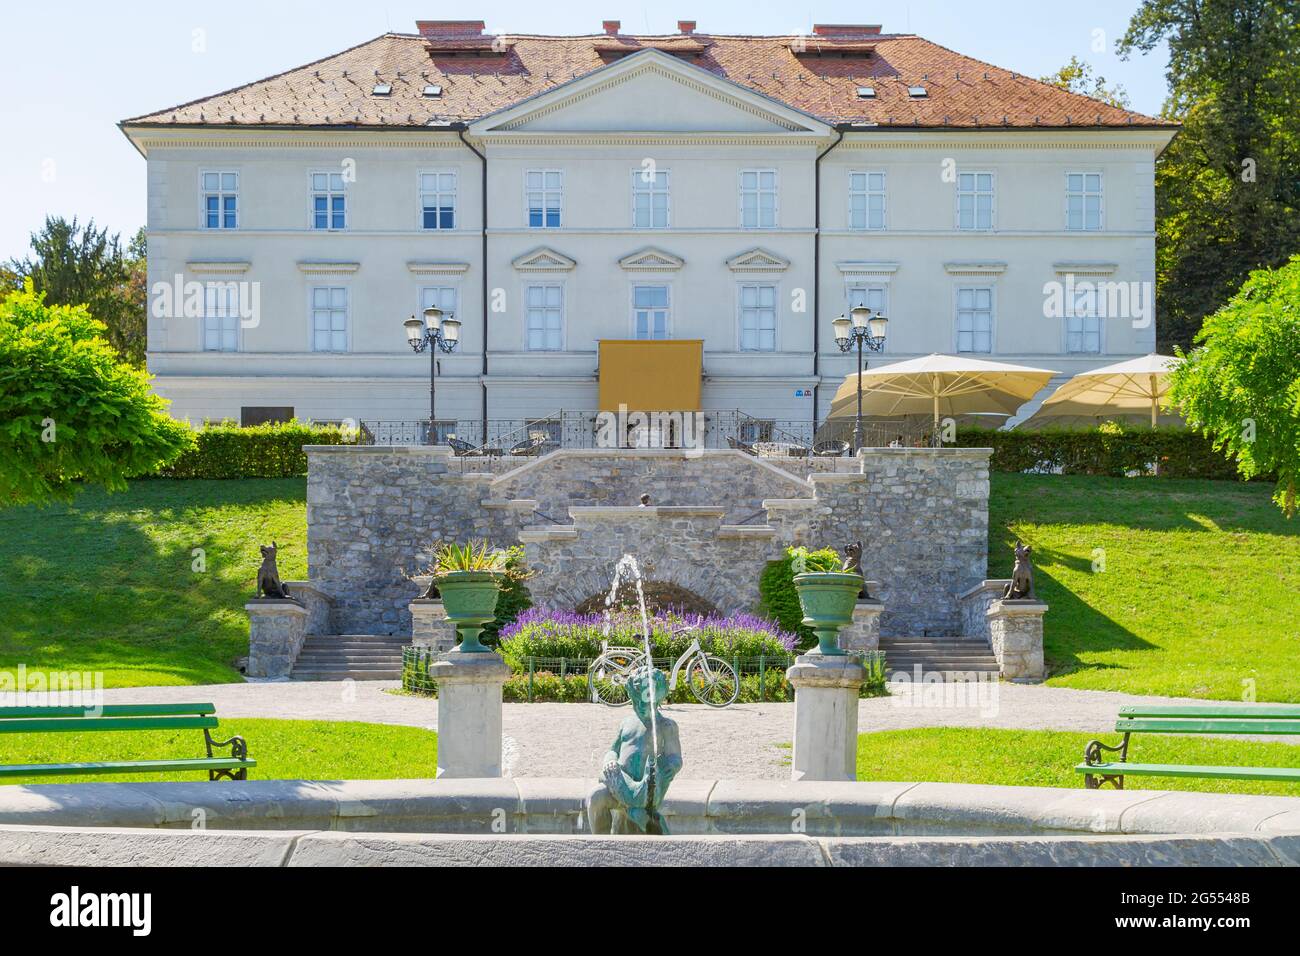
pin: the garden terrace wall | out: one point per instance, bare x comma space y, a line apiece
732, 480
922, 515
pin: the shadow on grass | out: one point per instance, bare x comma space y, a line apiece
151, 581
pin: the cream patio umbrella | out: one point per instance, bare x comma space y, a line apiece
1125, 390
940, 385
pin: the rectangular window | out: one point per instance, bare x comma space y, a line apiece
328, 201
866, 200
757, 317
221, 317
974, 200
650, 312
544, 305
438, 200
1082, 324
975, 319
649, 199
544, 192
874, 297
758, 198
220, 200
1083, 201
441, 297
329, 319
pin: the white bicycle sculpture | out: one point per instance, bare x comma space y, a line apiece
712, 680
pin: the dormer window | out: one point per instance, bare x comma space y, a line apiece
382, 89
866, 92
433, 91
917, 92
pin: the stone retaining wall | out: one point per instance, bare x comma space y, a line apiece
374, 513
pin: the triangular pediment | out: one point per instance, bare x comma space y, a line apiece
650, 92
544, 259
758, 260
651, 259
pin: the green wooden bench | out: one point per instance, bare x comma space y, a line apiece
1259, 720
120, 717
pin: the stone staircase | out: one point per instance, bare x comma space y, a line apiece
953, 658
355, 656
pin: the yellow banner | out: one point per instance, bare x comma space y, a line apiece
651, 376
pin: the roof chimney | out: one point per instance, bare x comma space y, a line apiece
444, 28
611, 26
846, 29
686, 26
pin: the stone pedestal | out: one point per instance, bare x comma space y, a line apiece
864, 633
1016, 634
276, 630
825, 716
469, 713
430, 627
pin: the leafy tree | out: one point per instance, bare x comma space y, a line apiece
1228, 187
75, 265
1241, 386
1078, 76
70, 410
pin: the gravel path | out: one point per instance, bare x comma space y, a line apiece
742, 741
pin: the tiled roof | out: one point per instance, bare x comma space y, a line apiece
811, 74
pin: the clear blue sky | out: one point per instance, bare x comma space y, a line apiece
71, 70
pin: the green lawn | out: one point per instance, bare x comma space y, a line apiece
108, 583
283, 749
1200, 595
1201, 590
1047, 758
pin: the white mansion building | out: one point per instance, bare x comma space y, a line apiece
732, 194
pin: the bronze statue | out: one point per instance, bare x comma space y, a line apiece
268, 575
853, 565
1021, 587
635, 772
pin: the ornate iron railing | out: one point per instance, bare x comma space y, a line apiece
589, 429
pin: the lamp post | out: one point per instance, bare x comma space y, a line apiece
437, 333
866, 330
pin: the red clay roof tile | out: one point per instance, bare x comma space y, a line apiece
336, 91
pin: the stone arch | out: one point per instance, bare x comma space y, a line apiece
659, 595
572, 590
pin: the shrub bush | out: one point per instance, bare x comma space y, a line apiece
514, 598
1113, 450
540, 633
778, 599
227, 450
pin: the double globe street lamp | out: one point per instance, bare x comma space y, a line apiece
437, 332
866, 329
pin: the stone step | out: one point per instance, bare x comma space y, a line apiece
895, 644
394, 660
926, 666
359, 638
354, 646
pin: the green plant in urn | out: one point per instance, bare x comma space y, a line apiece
827, 595
469, 578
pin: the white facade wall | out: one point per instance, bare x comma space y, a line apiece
383, 258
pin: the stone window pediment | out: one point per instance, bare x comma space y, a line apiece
544, 259
758, 260
651, 260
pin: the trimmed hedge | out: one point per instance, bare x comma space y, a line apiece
1110, 450
227, 450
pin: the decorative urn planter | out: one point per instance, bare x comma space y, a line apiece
828, 599
470, 600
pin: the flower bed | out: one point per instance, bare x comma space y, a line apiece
538, 632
